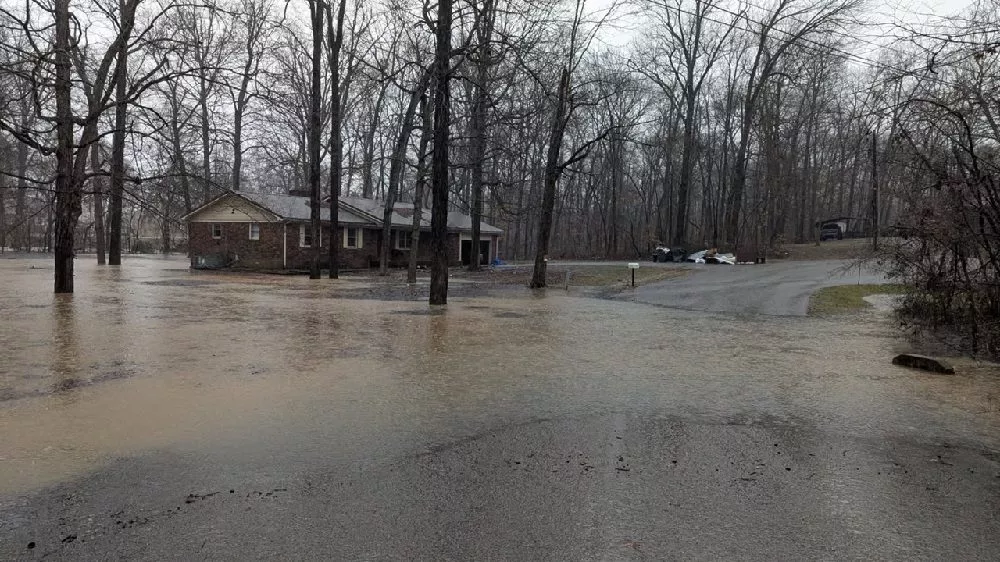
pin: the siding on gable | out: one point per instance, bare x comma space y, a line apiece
233, 209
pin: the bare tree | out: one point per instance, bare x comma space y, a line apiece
398, 160
72, 158
418, 196
68, 198
439, 159
118, 139
688, 43
485, 17
773, 40
255, 30
336, 39
209, 43
564, 105
316, 9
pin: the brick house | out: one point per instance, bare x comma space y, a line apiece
272, 232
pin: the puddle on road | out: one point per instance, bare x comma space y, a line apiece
153, 357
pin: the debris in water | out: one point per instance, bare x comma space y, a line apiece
924, 363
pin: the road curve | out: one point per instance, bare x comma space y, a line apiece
776, 289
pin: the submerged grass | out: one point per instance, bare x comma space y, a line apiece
847, 298
579, 276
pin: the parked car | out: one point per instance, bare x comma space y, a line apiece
664, 254
831, 232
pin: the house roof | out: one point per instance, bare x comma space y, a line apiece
292, 207
463, 222
402, 215
457, 220
352, 210
375, 209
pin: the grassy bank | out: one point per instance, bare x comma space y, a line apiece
830, 250
847, 298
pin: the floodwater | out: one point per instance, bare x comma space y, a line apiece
276, 372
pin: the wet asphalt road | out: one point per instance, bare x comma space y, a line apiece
600, 487
780, 288
270, 419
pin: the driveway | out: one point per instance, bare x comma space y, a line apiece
777, 288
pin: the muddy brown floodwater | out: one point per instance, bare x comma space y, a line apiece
278, 373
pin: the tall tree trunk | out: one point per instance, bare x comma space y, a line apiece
50, 221
239, 109
98, 183
21, 239
206, 147
336, 37
874, 196
368, 148
439, 161
552, 172
807, 186
477, 127
687, 167
68, 204
237, 147
418, 197
180, 163
616, 189
396, 169
165, 226
118, 152
739, 181
315, 130
3, 203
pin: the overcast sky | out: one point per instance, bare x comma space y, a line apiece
881, 21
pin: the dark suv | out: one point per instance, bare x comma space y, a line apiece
831, 232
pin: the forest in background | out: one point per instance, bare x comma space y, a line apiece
584, 130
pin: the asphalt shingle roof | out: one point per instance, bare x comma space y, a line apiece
361, 211
297, 208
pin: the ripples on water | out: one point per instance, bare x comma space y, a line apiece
153, 356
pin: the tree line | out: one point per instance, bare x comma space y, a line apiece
581, 130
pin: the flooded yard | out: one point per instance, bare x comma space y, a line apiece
153, 382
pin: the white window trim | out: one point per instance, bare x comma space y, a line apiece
250, 231
302, 236
359, 239
399, 235
214, 237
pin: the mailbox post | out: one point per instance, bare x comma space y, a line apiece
633, 266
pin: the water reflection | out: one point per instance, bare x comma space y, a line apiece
438, 334
65, 349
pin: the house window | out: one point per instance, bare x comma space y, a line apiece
216, 231
352, 238
305, 236
254, 231
404, 239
